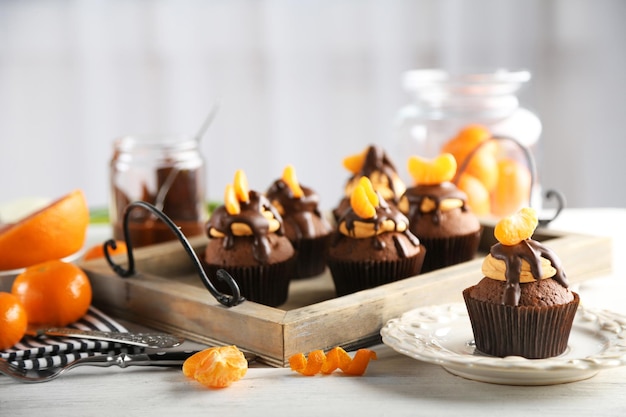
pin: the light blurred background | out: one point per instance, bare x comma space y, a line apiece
306, 82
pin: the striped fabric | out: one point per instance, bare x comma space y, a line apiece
46, 352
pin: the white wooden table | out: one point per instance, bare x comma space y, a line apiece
394, 385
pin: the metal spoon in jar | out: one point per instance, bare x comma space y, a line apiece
169, 180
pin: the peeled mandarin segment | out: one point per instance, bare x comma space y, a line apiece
435, 171
230, 200
289, 176
354, 163
520, 226
217, 367
241, 186
466, 141
191, 363
513, 188
359, 363
478, 198
361, 204
369, 191
484, 166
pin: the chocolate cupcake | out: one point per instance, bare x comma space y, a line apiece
246, 238
303, 223
438, 213
376, 165
372, 244
522, 306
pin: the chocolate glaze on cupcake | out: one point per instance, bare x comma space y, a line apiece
246, 238
376, 165
372, 244
303, 223
522, 306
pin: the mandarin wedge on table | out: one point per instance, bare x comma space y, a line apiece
512, 191
216, 367
54, 293
54, 232
13, 320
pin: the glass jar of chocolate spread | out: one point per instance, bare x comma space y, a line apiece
166, 171
443, 104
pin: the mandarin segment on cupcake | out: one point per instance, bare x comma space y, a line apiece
373, 163
304, 224
246, 213
230, 200
364, 199
432, 171
241, 186
520, 226
290, 178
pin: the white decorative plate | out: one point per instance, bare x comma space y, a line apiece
443, 335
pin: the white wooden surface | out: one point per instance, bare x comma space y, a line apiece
394, 385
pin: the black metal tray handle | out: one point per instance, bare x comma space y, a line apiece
224, 299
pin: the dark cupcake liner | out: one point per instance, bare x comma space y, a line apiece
264, 284
443, 252
351, 276
527, 331
311, 256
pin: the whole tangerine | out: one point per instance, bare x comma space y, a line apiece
13, 320
54, 293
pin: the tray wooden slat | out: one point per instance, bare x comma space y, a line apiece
167, 295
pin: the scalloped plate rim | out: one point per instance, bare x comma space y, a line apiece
421, 342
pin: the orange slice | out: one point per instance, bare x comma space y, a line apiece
54, 232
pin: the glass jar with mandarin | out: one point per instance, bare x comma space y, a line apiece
477, 118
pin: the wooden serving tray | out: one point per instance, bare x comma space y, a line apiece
167, 294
